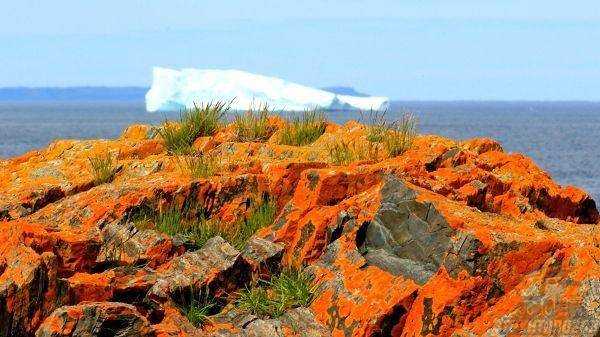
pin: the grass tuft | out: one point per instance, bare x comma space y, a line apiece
400, 135
198, 165
201, 120
377, 126
261, 216
205, 119
192, 224
178, 137
256, 300
253, 125
303, 129
198, 307
344, 153
292, 288
104, 168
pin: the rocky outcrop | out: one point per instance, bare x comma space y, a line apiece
450, 238
95, 319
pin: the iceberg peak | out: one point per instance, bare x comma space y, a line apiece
176, 89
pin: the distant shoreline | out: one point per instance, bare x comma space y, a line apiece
25, 94
137, 94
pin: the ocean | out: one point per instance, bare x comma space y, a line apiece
562, 137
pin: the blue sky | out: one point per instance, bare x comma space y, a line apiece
421, 49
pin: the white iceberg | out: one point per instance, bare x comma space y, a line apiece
173, 90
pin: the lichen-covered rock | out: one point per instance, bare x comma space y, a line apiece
216, 266
263, 256
96, 319
447, 239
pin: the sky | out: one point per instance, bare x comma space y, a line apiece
412, 49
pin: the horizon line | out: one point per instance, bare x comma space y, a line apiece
456, 100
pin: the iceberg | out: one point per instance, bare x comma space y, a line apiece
177, 89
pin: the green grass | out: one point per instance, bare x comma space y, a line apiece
197, 312
178, 138
174, 221
205, 229
198, 307
253, 125
205, 119
201, 120
192, 224
344, 153
261, 216
303, 129
171, 221
292, 288
377, 126
199, 165
341, 153
256, 300
400, 135
103, 168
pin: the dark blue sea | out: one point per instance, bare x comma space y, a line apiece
562, 137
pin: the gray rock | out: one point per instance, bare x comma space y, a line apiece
122, 243
216, 267
410, 238
406, 237
262, 255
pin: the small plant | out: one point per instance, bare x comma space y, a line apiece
341, 153
205, 119
193, 224
199, 165
261, 216
303, 129
174, 221
294, 287
170, 221
197, 307
291, 289
205, 229
253, 126
256, 300
344, 153
400, 135
377, 126
103, 167
201, 120
197, 313
178, 137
